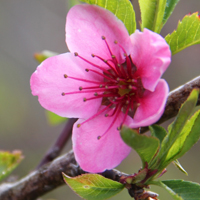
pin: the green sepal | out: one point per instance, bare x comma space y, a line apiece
186, 34
122, 9
145, 146
8, 162
93, 186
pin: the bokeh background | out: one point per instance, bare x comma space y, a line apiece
28, 26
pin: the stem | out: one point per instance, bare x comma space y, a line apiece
57, 147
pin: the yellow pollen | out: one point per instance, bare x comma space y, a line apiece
78, 125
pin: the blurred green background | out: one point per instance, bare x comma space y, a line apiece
28, 26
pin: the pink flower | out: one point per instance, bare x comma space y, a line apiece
108, 79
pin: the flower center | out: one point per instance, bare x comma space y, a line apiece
120, 88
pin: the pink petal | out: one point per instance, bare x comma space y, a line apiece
151, 55
152, 106
48, 83
86, 24
95, 155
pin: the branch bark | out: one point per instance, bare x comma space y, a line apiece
49, 177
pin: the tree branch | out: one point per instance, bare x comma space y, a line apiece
49, 177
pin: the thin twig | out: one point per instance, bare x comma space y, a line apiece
57, 147
49, 177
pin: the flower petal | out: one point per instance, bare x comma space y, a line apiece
152, 106
48, 83
86, 24
151, 55
95, 155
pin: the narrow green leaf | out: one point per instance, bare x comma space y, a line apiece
158, 131
170, 5
8, 162
186, 34
179, 166
122, 9
185, 111
180, 189
152, 13
41, 56
188, 137
54, 119
93, 186
145, 146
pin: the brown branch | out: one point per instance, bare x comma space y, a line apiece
49, 177
177, 97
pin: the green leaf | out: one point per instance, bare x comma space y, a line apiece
170, 5
41, 56
186, 34
54, 119
158, 131
180, 189
187, 138
145, 146
160, 161
93, 186
8, 162
122, 9
152, 13
179, 166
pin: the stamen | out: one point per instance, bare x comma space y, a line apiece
112, 123
106, 61
113, 112
125, 115
122, 70
98, 113
128, 62
106, 77
100, 96
97, 66
85, 80
87, 91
